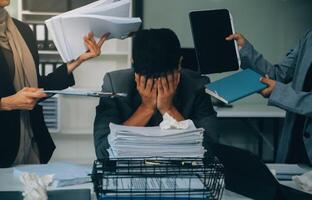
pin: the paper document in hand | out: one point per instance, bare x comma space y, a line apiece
104, 16
65, 173
84, 92
235, 86
130, 141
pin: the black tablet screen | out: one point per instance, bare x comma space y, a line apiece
214, 53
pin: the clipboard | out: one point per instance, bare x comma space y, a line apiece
84, 92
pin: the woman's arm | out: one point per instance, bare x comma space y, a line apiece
25, 99
283, 71
62, 77
94, 50
285, 97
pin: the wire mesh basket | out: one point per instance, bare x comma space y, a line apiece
158, 178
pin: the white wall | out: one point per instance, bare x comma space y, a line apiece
272, 25
12, 8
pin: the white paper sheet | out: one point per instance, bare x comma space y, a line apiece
65, 173
84, 92
130, 141
106, 16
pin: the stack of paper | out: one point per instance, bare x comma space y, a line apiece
129, 141
286, 171
64, 173
171, 188
104, 16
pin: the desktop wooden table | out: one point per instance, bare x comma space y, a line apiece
248, 112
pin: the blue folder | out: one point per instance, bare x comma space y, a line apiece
236, 86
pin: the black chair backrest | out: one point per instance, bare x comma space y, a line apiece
189, 59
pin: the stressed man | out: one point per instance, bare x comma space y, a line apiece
155, 85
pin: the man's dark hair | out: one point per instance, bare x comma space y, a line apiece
155, 52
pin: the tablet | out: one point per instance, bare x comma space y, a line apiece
214, 53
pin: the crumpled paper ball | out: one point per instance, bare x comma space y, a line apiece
304, 181
170, 123
35, 187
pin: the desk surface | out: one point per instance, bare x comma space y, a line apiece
9, 182
250, 111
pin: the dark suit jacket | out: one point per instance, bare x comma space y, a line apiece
190, 100
10, 120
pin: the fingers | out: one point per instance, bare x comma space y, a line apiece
230, 37
170, 81
154, 88
176, 78
266, 92
160, 88
142, 82
235, 36
155, 84
137, 80
149, 85
271, 85
266, 80
90, 45
33, 92
91, 38
94, 48
29, 89
164, 83
35, 95
103, 39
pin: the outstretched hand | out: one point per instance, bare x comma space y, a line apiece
25, 99
94, 50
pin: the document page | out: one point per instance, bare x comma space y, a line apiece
104, 16
117, 27
130, 141
153, 185
84, 92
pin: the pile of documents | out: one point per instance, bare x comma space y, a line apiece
130, 141
155, 188
103, 16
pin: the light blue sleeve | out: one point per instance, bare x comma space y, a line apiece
285, 97
282, 72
